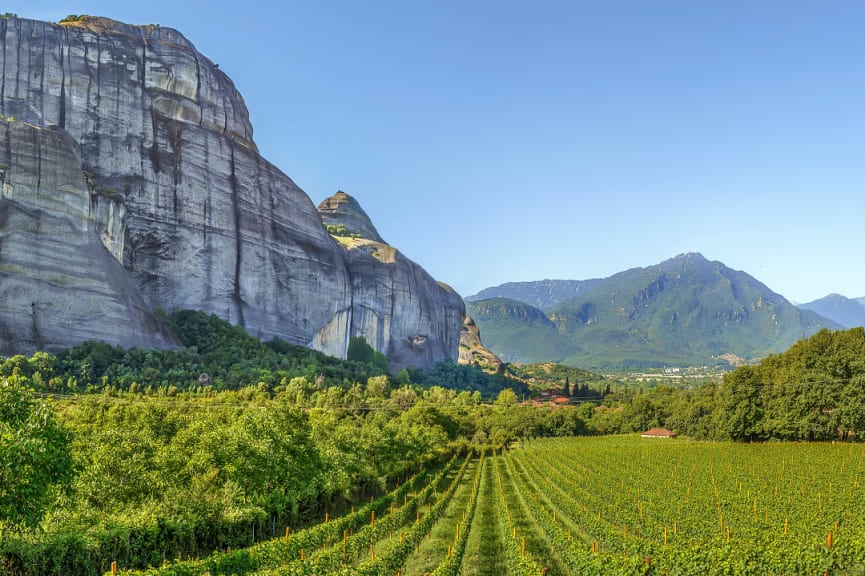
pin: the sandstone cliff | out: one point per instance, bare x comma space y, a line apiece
179, 196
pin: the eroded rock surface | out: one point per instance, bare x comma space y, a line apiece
181, 200
396, 306
58, 284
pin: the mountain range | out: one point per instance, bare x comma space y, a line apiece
685, 311
847, 312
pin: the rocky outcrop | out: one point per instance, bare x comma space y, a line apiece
343, 214
58, 284
396, 306
473, 352
179, 197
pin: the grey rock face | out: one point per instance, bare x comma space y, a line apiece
58, 284
396, 306
343, 210
180, 198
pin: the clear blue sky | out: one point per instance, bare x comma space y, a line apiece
495, 140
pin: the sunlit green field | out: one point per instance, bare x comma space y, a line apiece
606, 505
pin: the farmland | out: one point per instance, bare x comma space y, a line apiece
610, 505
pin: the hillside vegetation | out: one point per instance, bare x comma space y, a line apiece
686, 311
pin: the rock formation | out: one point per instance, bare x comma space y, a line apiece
175, 192
474, 353
58, 284
396, 306
342, 212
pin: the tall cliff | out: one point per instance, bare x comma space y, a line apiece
177, 194
396, 306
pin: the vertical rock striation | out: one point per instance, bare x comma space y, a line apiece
396, 306
58, 284
179, 197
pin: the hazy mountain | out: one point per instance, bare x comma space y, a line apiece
543, 294
684, 311
847, 312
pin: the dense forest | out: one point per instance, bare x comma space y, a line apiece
137, 456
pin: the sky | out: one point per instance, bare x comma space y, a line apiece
496, 141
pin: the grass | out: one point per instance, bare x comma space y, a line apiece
434, 548
537, 543
485, 555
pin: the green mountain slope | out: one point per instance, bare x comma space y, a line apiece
518, 332
684, 311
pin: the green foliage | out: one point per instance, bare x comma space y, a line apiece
340, 230
75, 18
448, 374
360, 351
35, 460
229, 440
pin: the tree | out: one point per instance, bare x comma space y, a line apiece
567, 390
35, 457
360, 351
507, 398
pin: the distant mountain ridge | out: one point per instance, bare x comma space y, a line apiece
543, 294
848, 312
684, 311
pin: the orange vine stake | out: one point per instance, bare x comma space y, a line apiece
372, 549
515, 532
449, 550
524, 546
326, 517
829, 540
344, 545
302, 554
665, 535
114, 568
372, 519
229, 551
400, 537
287, 530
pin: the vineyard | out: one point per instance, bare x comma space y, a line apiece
611, 505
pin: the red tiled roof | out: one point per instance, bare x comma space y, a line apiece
659, 432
